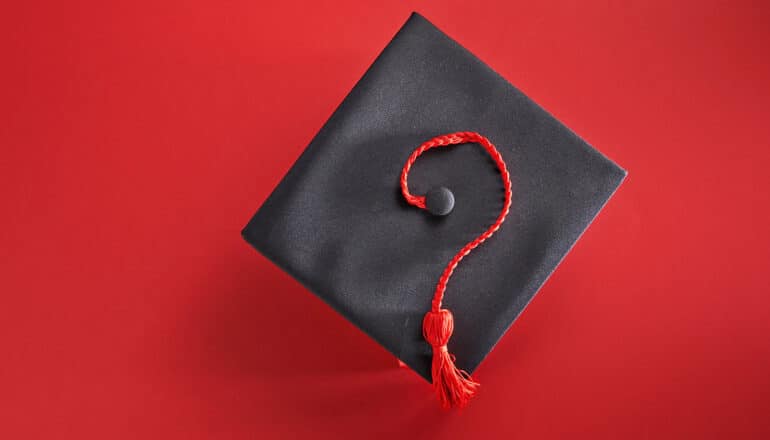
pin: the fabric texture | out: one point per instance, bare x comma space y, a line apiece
339, 225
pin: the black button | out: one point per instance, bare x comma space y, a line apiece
439, 201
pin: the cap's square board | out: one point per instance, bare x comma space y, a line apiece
338, 224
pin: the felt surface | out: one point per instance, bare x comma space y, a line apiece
338, 224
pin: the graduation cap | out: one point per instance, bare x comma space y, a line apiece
436, 185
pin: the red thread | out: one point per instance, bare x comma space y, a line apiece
454, 387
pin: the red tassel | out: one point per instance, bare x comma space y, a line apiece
453, 387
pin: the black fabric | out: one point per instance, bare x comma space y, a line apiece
338, 224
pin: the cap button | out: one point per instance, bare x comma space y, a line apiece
439, 201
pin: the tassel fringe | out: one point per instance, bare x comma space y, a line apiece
454, 387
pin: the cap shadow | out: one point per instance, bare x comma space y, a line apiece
253, 319
253, 322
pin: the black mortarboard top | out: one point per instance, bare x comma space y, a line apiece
346, 223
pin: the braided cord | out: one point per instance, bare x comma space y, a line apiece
419, 201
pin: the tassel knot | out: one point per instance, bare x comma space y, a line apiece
437, 327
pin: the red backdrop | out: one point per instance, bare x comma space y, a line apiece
137, 140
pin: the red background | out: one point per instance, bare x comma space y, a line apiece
137, 140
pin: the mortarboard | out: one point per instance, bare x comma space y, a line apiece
436, 185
